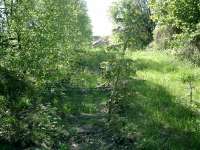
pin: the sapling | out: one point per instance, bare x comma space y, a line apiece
189, 79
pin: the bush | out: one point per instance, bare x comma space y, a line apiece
132, 23
162, 36
7, 121
187, 45
44, 127
39, 127
183, 44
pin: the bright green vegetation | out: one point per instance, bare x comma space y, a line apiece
158, 112
160, 108
40, 44
58, 92
132, 23
177, 27
166, 70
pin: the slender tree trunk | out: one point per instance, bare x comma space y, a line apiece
191, 92
116, 82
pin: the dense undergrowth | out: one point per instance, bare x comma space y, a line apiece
57, 92
165, 116
157, 112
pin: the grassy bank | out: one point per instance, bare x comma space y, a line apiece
159, 113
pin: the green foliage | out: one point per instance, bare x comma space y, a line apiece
188, 78
40, 43
152, 111
183, 14
46, 36
117, 72
45, 127
132, 22
159, 116
162, 36
48, 82
111, 69
186, 45
40, 127
7, 120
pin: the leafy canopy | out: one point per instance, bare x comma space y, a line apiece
132, 22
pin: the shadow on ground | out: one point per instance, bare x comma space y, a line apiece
153, 117
158, 121
74, 99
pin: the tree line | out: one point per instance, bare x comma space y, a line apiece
40, 43
159, 24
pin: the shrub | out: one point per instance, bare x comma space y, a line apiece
45, 127
7, 120
39, 127
187, 45
162, 36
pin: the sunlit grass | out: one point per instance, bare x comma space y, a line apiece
159, 114
160, 108
166, 70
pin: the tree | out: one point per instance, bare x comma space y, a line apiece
182, 14
40, 41
43, 36
181, 20
132, 22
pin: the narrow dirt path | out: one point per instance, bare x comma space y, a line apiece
90, 132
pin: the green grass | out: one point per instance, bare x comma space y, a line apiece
166, 70
160, 111
158, 115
